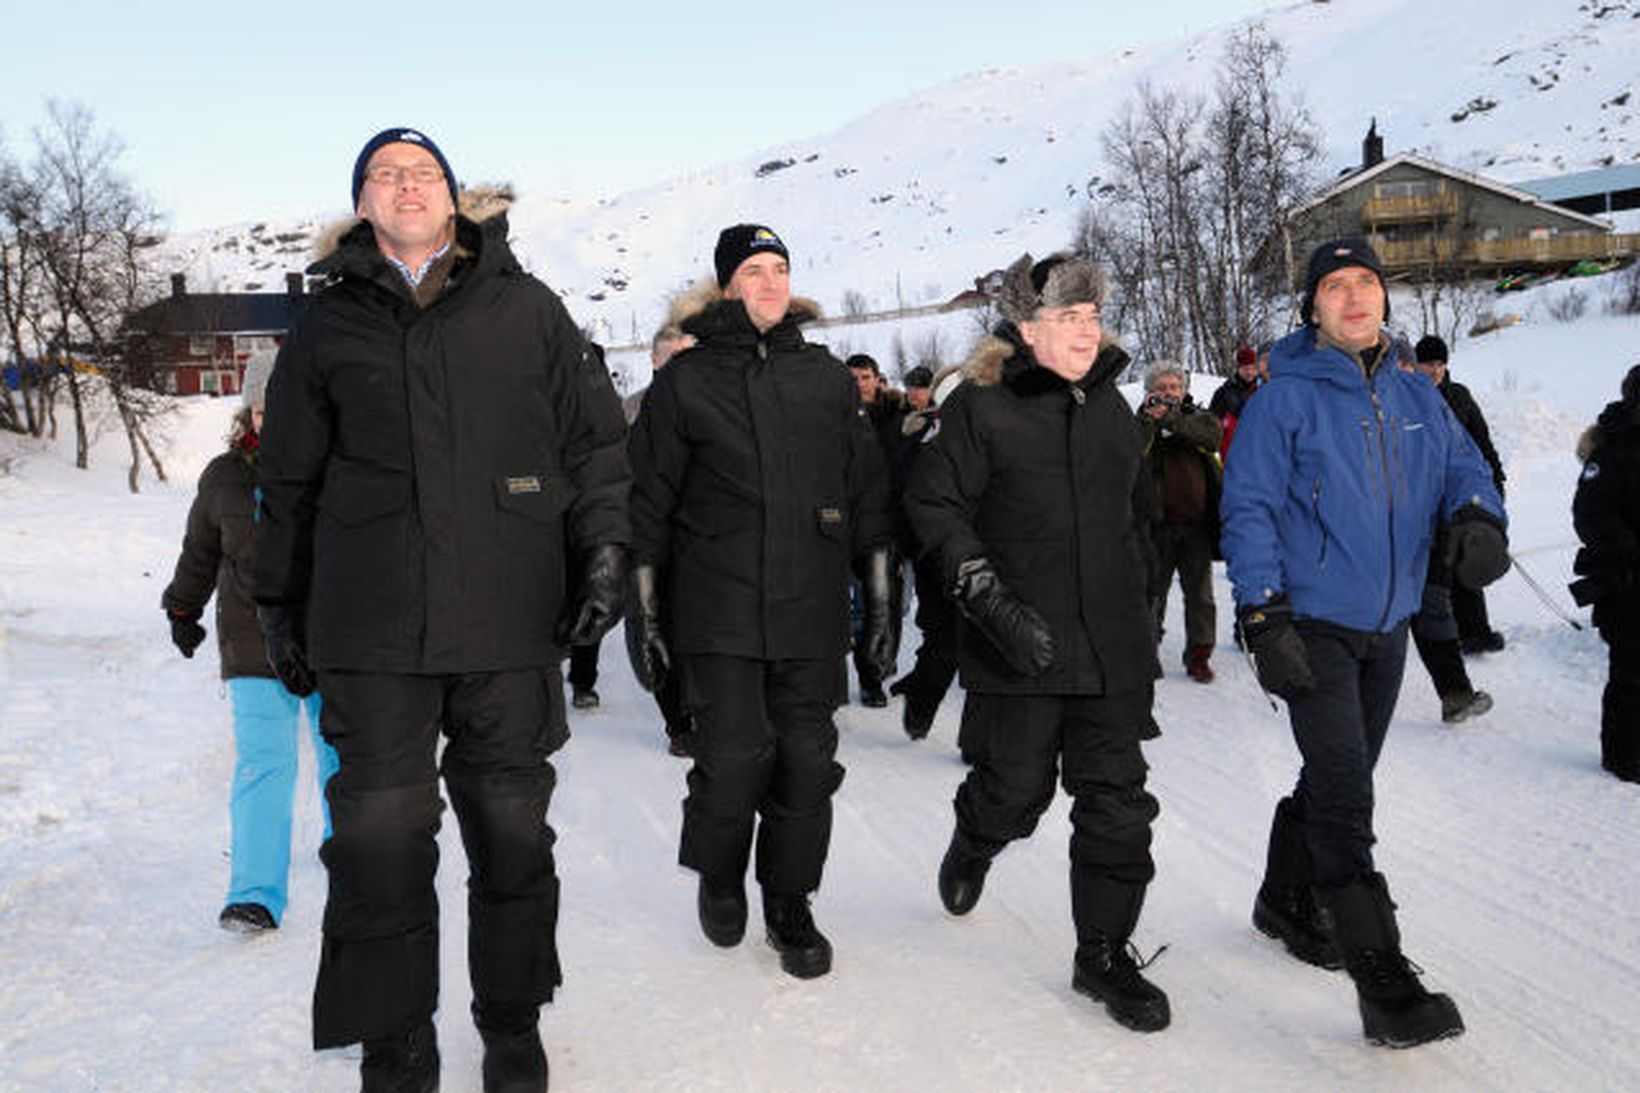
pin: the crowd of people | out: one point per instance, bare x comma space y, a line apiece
446, 498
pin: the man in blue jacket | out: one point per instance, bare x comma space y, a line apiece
1344, 465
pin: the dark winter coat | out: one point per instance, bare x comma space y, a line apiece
1606, 514
429, 475
1337, 483
216, 558
1182, 450
1046, 479
916, 426
1231, 397
757, 480
1468, 412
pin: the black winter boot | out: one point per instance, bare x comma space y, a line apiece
962, 874
722, 911
514, 1062
406, 1062
246, 918
1285, 907
1396, 1010
1292, 917
1107, 967
1462, 705
1107, 970
804, 950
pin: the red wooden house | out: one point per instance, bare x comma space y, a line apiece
199, 343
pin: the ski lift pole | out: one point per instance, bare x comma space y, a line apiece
1543, 595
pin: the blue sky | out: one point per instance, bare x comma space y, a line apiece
233, 112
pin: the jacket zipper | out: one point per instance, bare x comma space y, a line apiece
1389, 501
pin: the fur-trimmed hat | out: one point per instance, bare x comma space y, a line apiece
1335, 255
740, 242
401, 135
254, 390
1059, 280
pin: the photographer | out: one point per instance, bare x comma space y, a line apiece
1181, 447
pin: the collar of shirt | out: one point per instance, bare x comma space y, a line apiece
414, 276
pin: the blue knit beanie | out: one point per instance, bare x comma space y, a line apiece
400, 135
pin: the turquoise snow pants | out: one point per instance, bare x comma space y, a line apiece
266, 718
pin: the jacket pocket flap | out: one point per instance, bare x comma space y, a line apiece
353, 497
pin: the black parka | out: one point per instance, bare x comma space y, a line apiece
1045, 478
1606, 514
429, 475
216, 558
757, 480
1468, 412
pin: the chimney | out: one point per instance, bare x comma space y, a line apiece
293, 284
1372, 148
179, 286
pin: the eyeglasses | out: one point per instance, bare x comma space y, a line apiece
1071, 318
424, 174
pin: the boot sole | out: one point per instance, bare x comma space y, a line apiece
1442, 1024
1145, 1022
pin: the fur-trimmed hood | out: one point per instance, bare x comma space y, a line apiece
1002, 356
1615, 418
478, 209
1588, 443
690, 305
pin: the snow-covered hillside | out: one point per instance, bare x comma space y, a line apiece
1512, 854
909, 203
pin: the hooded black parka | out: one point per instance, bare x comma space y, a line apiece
428, 475
1046, 478
757, 480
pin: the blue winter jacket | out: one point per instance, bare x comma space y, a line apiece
1335, 485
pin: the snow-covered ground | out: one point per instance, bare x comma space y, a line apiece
1512, 854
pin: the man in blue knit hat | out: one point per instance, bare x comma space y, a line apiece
1344, 465
443, 512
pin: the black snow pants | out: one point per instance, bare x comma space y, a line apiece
379, 960
1339, 728
936, 617
1435, 634
1093, 744
764, 746
1620, 703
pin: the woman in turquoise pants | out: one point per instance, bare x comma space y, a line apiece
216, 554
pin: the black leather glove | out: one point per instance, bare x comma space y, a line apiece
282, 632
1477, 550
598, 598
186, 633
1279, 658
645, 630
1010, 624
877, 635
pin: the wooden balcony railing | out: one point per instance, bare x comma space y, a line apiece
1386, 210
1555, 249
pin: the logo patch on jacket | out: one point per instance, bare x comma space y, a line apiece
526, 483
1591, 471
830, 516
